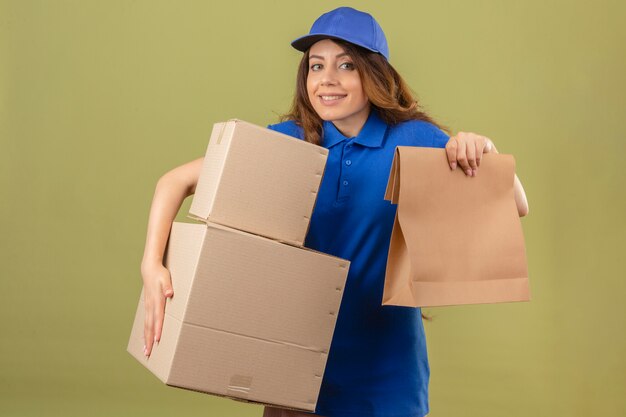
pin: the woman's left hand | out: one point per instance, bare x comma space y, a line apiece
467, 149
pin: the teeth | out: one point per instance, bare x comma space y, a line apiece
331, 97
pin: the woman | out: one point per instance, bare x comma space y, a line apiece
350, 100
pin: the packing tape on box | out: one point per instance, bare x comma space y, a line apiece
239, 385
222, 129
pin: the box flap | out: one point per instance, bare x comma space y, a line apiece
247, 368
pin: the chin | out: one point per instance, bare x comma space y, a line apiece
329, 117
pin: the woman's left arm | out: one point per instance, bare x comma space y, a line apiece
466, 150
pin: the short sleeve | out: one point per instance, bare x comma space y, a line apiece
288, 128
440, 138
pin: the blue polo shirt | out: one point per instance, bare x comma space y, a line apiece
377, 364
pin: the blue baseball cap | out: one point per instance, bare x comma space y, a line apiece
347, 24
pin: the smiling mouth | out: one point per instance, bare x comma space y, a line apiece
332, 98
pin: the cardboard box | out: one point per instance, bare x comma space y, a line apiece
251, 318
260, 181
456, 239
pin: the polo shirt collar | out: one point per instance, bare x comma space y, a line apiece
371, 135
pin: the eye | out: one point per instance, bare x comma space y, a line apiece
315, 67
347, 65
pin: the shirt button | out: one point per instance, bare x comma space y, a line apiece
345, 183
348, 162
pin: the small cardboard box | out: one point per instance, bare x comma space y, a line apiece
260, 181
251, 318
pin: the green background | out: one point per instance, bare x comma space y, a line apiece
100, 98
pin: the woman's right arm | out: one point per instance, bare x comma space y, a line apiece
171, 190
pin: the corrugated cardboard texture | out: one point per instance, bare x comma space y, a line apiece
257, 319
260, 181
308, 283
456, 239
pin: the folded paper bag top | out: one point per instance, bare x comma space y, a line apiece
456, 239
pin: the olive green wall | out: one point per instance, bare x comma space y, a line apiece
99, 98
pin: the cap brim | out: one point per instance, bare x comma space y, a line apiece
304, 42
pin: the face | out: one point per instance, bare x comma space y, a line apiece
334, 88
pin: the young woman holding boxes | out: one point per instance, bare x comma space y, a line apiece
350, 100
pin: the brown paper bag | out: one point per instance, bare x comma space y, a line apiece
456, 239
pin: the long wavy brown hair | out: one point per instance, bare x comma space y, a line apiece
387, 92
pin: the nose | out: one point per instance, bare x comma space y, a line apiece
329, 76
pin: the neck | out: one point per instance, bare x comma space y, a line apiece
351, 128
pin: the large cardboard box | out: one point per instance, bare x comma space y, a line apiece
259, 180
251, 318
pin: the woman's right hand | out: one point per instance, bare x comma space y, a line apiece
157, 286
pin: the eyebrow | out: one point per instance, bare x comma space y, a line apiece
322, 58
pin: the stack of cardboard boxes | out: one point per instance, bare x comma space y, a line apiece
253, 311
